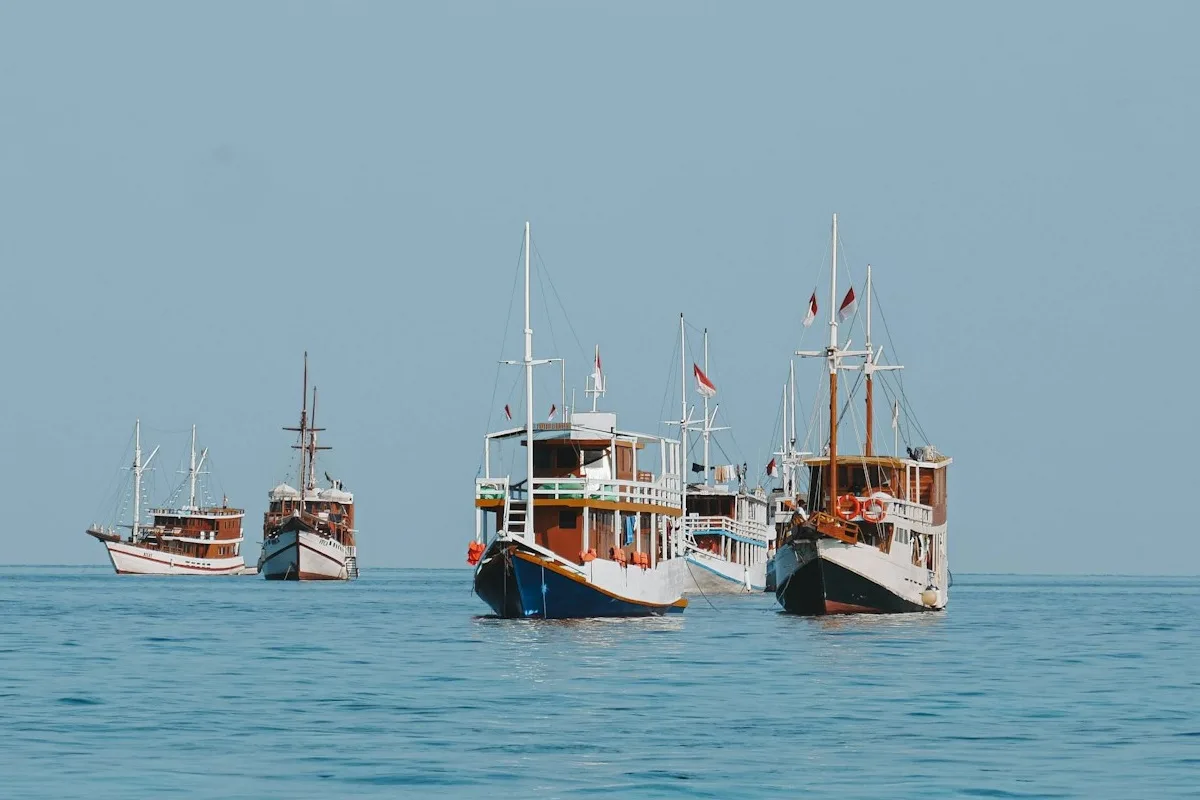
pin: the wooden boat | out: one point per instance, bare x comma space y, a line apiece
874, 539
309, 535
724, 534
188, 540
588, 531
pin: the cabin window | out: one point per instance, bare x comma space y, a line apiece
543, 457
568, 520
592, 456
567, 457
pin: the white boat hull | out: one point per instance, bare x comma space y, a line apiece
303, 556
130, 559
710, 574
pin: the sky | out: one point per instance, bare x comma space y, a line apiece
193, 194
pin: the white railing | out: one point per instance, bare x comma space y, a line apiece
913, 512
491, 488
662, 492
736, 527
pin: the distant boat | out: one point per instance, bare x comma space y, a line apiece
190, 540
724, 531
875, 538
588, 531
309, 535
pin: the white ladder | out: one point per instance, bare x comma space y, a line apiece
351, 563
515, 515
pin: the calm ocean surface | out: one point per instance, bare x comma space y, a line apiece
396, 686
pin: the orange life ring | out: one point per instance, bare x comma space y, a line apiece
848, 507
868, 510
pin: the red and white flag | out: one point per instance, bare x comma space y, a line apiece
553, 408
597, 374
772, 471
507, 412
812, 310
703, 385
846, 310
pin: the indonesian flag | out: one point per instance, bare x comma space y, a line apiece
507, 412
849, 304
772, 470
896, 415
553, 408
703, 385
597, 373
812, 310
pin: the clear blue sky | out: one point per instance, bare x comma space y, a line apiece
193, 193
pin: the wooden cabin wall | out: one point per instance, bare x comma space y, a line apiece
559, 529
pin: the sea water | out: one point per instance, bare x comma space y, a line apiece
398, 685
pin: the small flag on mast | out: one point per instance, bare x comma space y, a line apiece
896, 415
597, 374
553, 408
812, 310
849, 304
704, 386
507, 412
772, 470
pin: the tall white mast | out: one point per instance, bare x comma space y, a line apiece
192, 473
707, 421
685, 466
528, 399
137, 477
784, 449
138, 468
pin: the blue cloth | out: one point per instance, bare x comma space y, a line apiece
630, 522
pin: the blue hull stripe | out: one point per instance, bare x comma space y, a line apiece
548, 594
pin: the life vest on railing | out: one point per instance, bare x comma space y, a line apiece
587, 555
474, 552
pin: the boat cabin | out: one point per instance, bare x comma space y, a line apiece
199, 533
330, 511
597, 491
920, 482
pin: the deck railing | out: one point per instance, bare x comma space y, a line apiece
718, 524
662, 492
904, 509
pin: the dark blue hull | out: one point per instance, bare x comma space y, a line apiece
521, 585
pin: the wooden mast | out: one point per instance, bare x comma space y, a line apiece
303, 429
868, 450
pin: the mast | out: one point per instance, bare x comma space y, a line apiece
833, 374
685, 466
868, 449
192, 473
303, 429
784, 451
312, 443
529, 398
139, 467
137, 478
707, 429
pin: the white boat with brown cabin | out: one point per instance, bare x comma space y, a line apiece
590, 529
309, 535
190, 539
875, 537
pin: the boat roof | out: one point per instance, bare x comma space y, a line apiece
878, 461
578, 435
